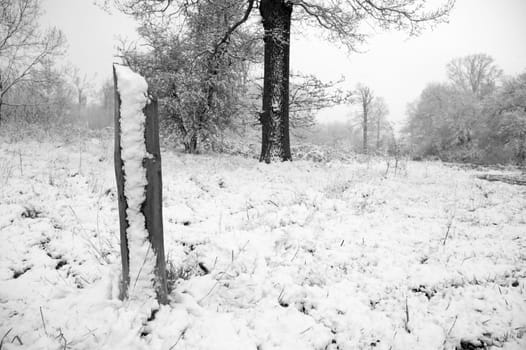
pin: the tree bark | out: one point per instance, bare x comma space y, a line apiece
1, 97
275, 145
152, 207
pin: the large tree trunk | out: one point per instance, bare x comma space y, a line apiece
275, 143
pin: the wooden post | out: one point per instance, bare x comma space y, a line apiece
119, 175
152, 206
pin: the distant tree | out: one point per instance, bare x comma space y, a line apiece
476, 74
309, 95
106, 95
98, 113
443, 120
429, 126
45, 98
507, 116
447, 120
82, 85
340, 19
335, 134
24, 48
364, 97
473, 118
382, 128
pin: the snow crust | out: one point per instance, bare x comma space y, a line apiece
133, 91
299, 255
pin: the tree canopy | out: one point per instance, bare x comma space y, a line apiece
340, 20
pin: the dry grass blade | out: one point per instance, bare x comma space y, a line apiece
43, 321
406, 321
449, 331
3, 338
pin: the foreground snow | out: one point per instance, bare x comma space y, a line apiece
287, 256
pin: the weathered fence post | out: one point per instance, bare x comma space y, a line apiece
142, 244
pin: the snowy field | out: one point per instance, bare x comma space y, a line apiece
299, 255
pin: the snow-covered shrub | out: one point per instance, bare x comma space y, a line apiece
319, 153
185, 271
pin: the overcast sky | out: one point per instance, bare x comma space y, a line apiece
394, 66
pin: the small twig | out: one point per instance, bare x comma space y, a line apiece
305, 331
449, 226
406, 323
17, 338
43, 321
273, 203
178, 339
90, 332
224, 272
143, 263
20, 162
63, 338
281, 295
295, 254
74, 213
449, 331
5, 335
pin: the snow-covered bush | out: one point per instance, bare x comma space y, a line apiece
321, 153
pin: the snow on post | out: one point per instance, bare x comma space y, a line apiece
139, 184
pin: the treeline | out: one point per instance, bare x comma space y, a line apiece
220, 67
478, 115
34, 88
217, 67
217, 72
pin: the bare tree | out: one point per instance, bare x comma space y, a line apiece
365, 97
340, 19
379, 111
45, 98
308, 95
82, 86
23, 47
476, 74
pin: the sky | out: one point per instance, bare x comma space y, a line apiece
395, 66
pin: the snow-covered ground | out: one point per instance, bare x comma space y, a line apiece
297, 255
